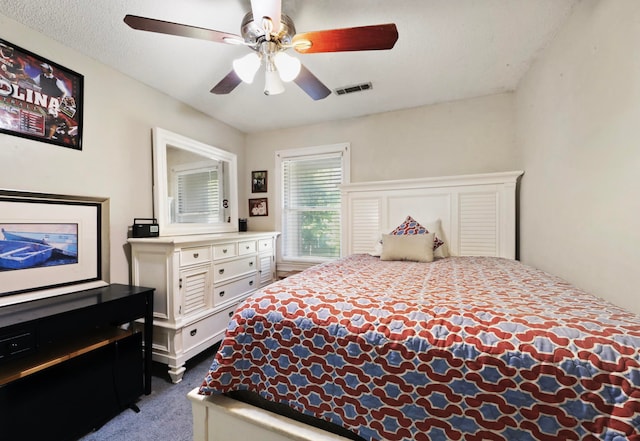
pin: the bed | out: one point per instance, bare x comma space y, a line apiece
468, 344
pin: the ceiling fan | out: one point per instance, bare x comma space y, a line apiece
269, 33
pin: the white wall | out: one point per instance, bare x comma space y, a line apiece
470, 136
578, 128
115, 161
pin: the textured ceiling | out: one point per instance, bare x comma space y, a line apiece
446, 50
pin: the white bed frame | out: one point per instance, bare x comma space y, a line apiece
478, 218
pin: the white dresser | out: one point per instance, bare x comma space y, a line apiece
199, 281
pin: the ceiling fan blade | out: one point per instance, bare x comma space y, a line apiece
311, 84
363, 38
267, 8
167, 27
227, 84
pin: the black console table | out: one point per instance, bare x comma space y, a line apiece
67, 365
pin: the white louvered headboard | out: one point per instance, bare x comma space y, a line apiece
477, 212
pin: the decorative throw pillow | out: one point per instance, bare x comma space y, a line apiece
411, 226
413, 247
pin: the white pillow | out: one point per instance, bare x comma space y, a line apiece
436, 228
413, 247
377, 249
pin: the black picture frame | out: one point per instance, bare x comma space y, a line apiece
259, 181
39, 99
73, 261
259, 207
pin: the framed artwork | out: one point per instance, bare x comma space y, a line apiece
39, 99
258, 207
259, 181
49, 243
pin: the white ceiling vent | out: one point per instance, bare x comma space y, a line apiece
352, 89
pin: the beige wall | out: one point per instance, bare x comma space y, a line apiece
116, 158
578, 127
471, 136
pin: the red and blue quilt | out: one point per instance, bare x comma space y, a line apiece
463, 348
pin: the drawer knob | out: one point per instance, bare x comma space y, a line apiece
221, 293
250, 263
231, 314
224, 251
195, 255
221, 271
250, 282
247, 247
193, 332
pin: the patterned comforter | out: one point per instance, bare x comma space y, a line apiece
462, 348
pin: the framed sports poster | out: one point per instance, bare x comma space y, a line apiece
39, 99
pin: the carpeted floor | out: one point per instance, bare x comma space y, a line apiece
165, 414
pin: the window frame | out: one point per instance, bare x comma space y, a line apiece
344, 149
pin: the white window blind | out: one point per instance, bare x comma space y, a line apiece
311, 206
198, 196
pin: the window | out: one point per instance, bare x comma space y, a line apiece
310, 202
198, 190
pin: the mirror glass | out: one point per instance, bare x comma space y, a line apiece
195, 186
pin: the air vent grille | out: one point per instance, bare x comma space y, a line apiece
351, 89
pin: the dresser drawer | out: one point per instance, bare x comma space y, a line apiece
233, 290
202, 330
190, 256
233, 268
265, 245
246, 247
224, 251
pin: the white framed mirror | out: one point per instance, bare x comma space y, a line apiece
195, 186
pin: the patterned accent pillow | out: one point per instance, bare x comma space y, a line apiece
412, 226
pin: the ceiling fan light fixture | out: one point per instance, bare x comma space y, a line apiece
288, 66
247, 66
272, 83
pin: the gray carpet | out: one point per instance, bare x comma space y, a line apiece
165, 414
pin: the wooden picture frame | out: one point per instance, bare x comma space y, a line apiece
259, 181
258, 207
39, 99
